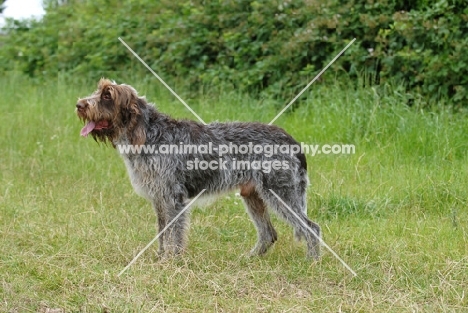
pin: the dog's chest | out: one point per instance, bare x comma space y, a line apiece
142, 175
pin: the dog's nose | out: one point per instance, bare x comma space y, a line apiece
81, 105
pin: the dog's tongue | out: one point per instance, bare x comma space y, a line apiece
87, 129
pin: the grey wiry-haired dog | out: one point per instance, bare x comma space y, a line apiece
117, 114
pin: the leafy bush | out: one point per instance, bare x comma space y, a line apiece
273, 47
427, 48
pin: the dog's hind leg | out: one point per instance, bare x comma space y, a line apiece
303, 227
298, 235
259, 214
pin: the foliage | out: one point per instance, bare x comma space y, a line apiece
270, 46
427, 48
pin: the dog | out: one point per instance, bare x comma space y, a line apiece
116, 114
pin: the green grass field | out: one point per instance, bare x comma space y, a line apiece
396, 211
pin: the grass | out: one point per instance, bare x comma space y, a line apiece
395, 211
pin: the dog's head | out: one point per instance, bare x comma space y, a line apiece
113, 112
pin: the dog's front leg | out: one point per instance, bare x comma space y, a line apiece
168, 205
176, 235
162, 221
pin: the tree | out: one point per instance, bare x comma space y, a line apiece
2, 6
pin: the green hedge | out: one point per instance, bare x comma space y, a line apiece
273, 47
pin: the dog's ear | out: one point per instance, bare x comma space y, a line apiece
137, 136
136, 124
131, 117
